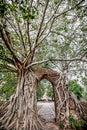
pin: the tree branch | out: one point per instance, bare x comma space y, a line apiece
46, 34
36, 63
23, 43
82, 69
68, 9
71, 60
28, 33
31, 55
8, 67
52, 17
13, 27
8, 44
9, 60
41, 62
31, 3
84, 54
41, 22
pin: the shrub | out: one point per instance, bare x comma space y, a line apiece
77, 124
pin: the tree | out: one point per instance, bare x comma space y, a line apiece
76, 88
50, 92
8, 85
40, 91
25, 28
84, 82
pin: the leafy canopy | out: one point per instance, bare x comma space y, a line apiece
8, 85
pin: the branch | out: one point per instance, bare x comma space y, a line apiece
46, 34
85, 53
54, 17
6, 39
41, 22
31, 3
8, 67
69, 9
51, 18
58, 33
17, 33
42, 39
83, 6
13, 27
28, 33
37, 63
73, 59
31, 54
44, 61
5, 58
23, 43
78, 69
78, 52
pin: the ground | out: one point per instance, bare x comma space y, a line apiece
46, 111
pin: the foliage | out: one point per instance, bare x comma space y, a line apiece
76, 88
77, 124
85, 95
50, 91
40, 91
23, 22
61, 124
83, 124
44, 86
8, 85
0, 123
84, 80
74, 123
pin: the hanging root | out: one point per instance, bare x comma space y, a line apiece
81, 107
62, 99
10, 121
20, 113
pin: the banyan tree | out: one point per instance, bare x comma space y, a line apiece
25, 29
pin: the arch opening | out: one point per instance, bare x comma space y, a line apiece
45, 101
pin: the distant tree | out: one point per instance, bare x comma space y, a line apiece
76, 88
8, 85
50, 92
84, 82
40, 91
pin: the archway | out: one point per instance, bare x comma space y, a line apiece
61, 93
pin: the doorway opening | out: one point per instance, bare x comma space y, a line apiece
45, 101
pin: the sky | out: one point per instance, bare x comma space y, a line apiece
86, 1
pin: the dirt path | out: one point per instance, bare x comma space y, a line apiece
47, 112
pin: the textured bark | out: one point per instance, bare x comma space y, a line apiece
21, 111
61, 93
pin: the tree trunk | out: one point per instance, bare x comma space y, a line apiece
61, 96
21, 113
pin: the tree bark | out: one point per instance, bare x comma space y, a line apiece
61, 92
21, 112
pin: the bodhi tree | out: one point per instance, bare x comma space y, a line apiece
25, 26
